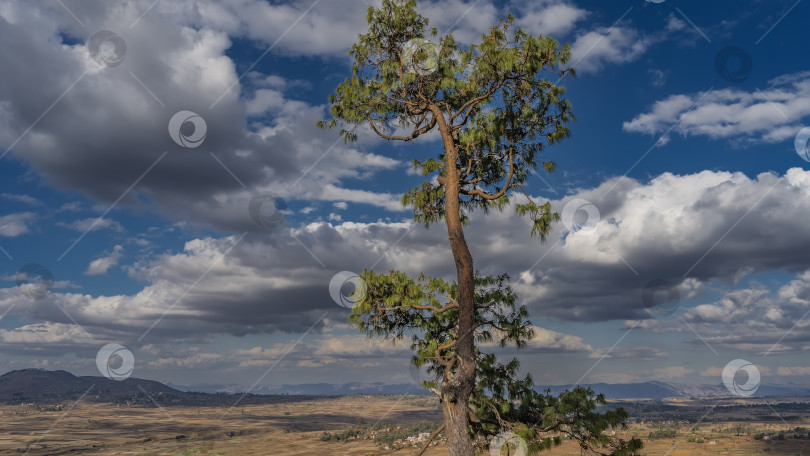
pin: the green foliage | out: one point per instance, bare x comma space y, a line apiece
396, 306
502, 401
492, 102
664, 434
339, 436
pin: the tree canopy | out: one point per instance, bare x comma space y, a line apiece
424, 310
493, 101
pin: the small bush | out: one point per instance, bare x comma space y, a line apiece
663, 434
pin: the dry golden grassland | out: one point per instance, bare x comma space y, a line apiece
274, 429
296, 428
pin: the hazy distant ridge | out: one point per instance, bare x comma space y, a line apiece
651, 390
660, 390
37, 385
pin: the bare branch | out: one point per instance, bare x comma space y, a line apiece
506, 187
446, 345
430, 439
469, 105
417, 132
440, 310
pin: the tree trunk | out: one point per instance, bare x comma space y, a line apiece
457, 387
456, 427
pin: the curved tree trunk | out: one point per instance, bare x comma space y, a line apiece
457, 388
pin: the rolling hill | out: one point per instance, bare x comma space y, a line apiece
43, 386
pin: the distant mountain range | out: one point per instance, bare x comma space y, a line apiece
646, 390
43, 386
328, 389
661, 390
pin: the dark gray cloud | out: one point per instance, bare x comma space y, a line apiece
109, 128
110, 124
279, 282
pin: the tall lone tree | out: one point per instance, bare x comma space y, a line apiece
494, 110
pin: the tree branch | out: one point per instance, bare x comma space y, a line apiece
430, 439
506, 187
469, 105
415, 134
447, 345
444, 309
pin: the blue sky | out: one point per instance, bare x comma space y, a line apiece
152, 244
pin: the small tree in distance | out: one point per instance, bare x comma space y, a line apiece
494, 110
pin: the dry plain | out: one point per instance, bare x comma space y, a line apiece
296, 428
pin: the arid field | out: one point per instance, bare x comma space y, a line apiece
274, 429
328, 426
